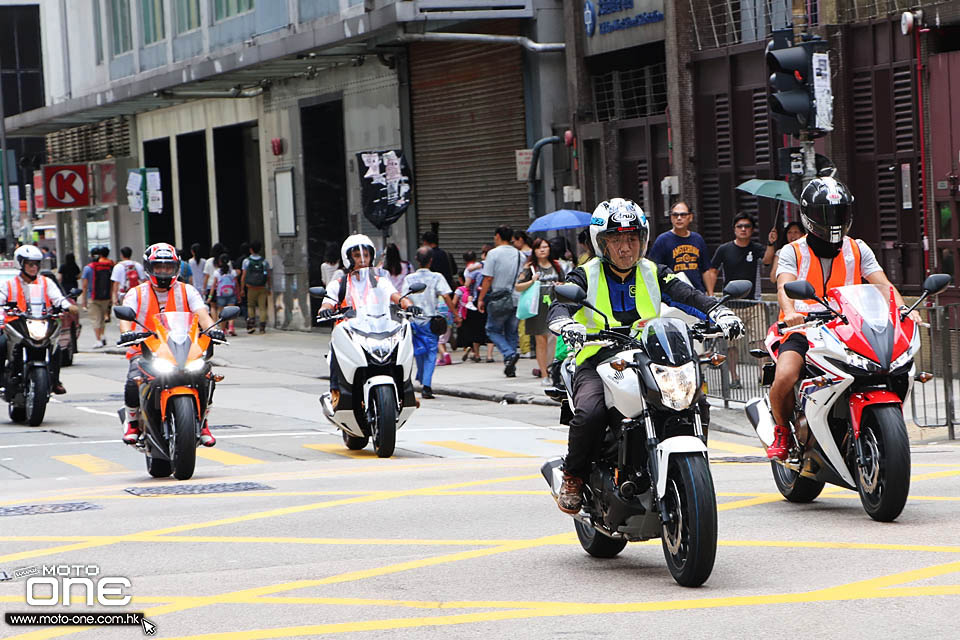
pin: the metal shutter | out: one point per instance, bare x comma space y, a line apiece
468, 119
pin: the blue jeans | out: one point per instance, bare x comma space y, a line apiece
424, 352
502, 331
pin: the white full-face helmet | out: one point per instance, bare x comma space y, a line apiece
617, 215
357, 241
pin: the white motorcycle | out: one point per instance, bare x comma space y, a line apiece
373, 346
651, 477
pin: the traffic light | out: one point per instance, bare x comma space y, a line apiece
800, 96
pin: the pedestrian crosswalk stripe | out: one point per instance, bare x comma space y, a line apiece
92, 464
472, 448
733, 447
563, 442
342, 450
225, 457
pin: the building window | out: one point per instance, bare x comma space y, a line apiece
188, 15
224, 9
120, 38
97, 31
151, 14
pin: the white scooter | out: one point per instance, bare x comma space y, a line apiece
373, 347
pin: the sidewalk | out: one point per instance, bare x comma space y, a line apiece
303, 354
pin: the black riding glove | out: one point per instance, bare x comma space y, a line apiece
127, 336
325, 314
415, 311
217, 335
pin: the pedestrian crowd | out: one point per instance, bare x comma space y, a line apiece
222, 279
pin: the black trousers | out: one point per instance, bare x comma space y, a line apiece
589, 422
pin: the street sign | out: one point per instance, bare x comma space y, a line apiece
66, 186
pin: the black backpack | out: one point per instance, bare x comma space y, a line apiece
256, 271
101, 279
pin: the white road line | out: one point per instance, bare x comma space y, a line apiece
219, 437
98, 412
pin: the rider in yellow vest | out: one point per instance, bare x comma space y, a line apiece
626, 287
826, 258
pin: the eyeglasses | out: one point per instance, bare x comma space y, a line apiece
680, 214
744, 226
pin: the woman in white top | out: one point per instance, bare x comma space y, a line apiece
794, 231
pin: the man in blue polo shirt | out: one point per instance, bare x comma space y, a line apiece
684, 251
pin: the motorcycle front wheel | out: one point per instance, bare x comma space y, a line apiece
793, 486
384, 423
883, 480
158, 468
183, 448
690, 534
597, 544
36, 393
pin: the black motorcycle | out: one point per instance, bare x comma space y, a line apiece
32, 361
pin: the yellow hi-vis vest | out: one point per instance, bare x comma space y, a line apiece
646, 295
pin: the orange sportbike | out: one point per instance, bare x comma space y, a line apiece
176, 384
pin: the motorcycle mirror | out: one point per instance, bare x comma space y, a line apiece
74, 293
318, 292
800, 290
417, 287
125, 313
229, 313
936, 283
570, 293
738, 289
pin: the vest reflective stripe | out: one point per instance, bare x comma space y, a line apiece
646, 297
148, 305
844, 271
21, 298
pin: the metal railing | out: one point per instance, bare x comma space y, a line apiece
637, 93
933, 404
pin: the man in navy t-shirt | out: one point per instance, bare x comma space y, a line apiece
684, 251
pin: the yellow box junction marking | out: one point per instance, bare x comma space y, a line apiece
476, 449
92, 464
341, 450
225, 457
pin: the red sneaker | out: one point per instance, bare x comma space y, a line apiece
778, 450
206, 438
132, 434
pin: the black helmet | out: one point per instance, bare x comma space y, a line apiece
825, 209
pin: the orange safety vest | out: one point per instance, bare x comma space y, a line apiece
844, 271
15, 292
148, 306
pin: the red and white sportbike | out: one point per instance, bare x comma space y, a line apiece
848, 427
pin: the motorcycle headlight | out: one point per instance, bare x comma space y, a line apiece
194, 365
37, 329
903, 360
164, 366
860, 362
380, 348
677, 385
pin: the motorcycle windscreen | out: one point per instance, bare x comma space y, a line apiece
667, 341
370, 301
35, 301
178, 325
869, 305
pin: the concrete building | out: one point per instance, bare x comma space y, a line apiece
231, 98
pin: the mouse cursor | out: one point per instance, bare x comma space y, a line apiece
149, 628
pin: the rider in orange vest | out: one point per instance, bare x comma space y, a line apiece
19, 292
826, 257
160, 293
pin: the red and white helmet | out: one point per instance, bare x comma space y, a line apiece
161, 264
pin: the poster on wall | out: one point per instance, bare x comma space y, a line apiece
384, 186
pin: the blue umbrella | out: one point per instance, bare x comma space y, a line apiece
561, 219
776, 189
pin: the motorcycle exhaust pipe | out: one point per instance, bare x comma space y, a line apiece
552, 471
760, 416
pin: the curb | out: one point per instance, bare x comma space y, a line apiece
492, 396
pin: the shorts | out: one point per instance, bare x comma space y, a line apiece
99, 310
796, 342
225, 301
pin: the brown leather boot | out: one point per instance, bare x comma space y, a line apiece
570, 498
